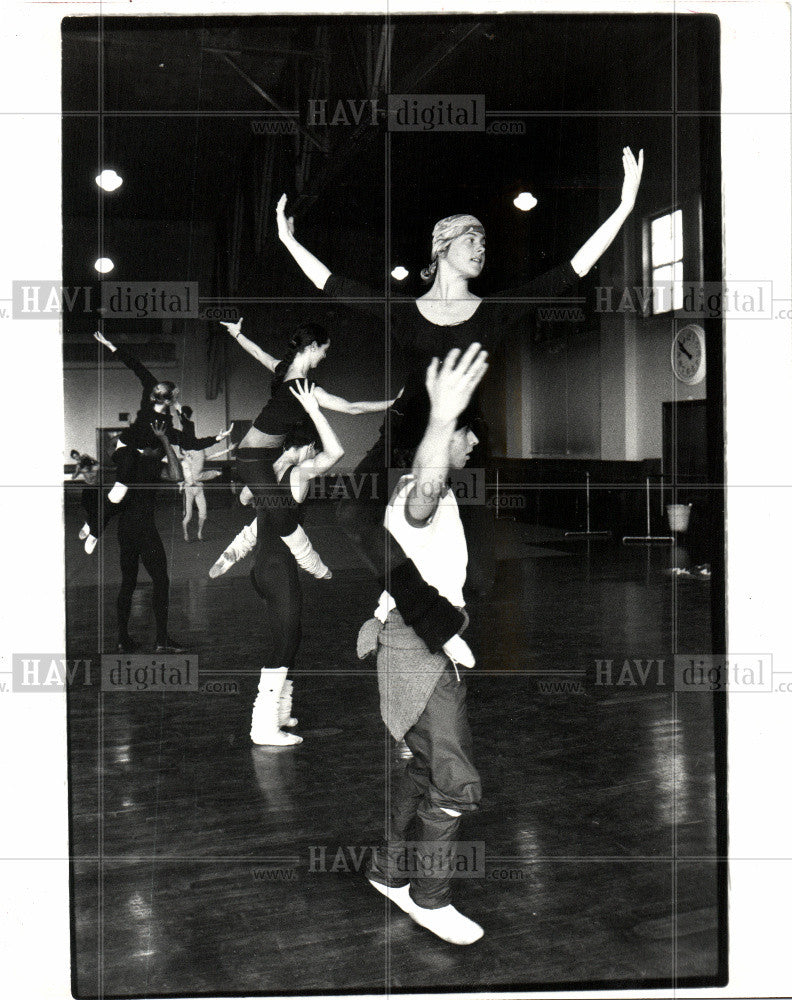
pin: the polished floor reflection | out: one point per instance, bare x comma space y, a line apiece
203, 865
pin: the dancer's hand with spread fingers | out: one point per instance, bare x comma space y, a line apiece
104, 341
451, 385
307, 396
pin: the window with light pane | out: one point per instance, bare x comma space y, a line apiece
665, 234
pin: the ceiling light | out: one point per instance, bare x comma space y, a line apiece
109, 180
104, 265
525, 201
399, 273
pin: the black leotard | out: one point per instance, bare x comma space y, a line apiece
283, 411
422, 339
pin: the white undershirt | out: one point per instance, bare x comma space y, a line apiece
437, 546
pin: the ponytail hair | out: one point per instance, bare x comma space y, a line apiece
304, 336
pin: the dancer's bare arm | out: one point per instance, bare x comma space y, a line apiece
330, 402
311, 266
246, 344
450, 387
174, 465
332, 449
591, 251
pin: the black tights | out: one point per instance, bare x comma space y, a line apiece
139, 541
275, 578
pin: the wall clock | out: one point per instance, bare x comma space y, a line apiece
688, 357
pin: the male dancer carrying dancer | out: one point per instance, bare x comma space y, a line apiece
422, 696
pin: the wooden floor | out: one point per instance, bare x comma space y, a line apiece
197, 857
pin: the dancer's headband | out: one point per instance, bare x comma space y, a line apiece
445, 232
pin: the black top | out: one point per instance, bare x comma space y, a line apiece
422, 340
492, 320
283, 411
139, 433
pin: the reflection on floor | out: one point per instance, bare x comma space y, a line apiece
203, 865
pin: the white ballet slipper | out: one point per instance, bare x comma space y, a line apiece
85, 531
264, 725
246, 496
285, 718
223, 564
446, 921
90, 543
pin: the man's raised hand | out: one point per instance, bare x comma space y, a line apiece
451, 384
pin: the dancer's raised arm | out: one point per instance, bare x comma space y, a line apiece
253, 349
591, 251
175, 472
146, 378
311, 266
332, 449
340, 405
450, 387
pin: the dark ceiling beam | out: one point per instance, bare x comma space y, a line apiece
340, 159
263, 50
270, 100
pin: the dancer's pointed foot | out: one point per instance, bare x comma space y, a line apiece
246, 496
223, 564
85, 531
90, 543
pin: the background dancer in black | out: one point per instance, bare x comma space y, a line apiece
155, 406
140, 541
87, 469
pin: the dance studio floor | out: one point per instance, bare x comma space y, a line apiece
203, 865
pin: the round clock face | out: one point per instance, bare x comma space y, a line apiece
687, 355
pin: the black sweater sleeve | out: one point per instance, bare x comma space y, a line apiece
147, 380
187, 440
355, 294
538, 291
433, 618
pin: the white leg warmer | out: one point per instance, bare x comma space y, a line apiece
242, 545
305, 554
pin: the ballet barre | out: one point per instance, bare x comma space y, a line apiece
588, 533
649, 538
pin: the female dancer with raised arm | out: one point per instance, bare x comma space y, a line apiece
449, 315
282, 413
280, 541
